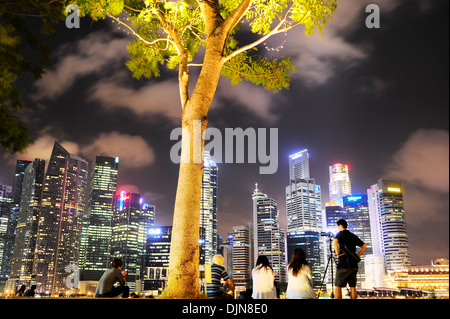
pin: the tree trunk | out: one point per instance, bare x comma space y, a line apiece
183, 279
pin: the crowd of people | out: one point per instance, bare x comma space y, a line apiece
299, 274
300, 280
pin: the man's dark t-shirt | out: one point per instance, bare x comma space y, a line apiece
350, 240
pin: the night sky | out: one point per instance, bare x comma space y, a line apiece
376, 99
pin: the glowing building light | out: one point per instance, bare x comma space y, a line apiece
154, 231
354, 198
297, 155
394, 189
123, 197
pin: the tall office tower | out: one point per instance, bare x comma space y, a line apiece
268, 238
303, 196
304, 205
27, 224
157, 256
388, 223
60, 220
299, 165
208, 211
131, 220
358, 220
12, 220
339, 185
333, 212
5, 212
96, 230
242, 254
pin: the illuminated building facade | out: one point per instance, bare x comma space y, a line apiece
339, 185
303, 196
388, 224
60, 220
131, 220
27, 224
269, 239
333, 212
304, 204
299, 165
242, 254
208, 211
96, 232
432, 278
13, 214
157, 257
358, 219
5, 212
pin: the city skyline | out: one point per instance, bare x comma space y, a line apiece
133, 221
350, 101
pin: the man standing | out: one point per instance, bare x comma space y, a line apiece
345, 244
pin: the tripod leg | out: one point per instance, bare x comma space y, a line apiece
325, 275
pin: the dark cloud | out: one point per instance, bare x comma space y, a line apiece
422, 164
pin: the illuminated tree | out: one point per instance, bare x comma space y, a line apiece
172, 33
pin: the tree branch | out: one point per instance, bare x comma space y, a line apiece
248, 74
130, 28
236, 15
276, 30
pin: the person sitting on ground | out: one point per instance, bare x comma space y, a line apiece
300, 278
106, 288
218, 272
30, 292
20, 292
263, 280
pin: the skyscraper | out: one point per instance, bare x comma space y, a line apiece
268, 237
60, 219
339, 185
27, 224
5, 212
208, 211
299, 165
10, 235
388, 223
358, 218
242, 254
303, 196
96, 231
333, 212
157, 257
304, 209
132, 219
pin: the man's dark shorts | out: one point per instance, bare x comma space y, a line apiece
346, 276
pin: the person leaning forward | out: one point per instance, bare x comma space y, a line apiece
106, 288
345, 244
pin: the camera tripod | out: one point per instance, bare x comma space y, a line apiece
331, 258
